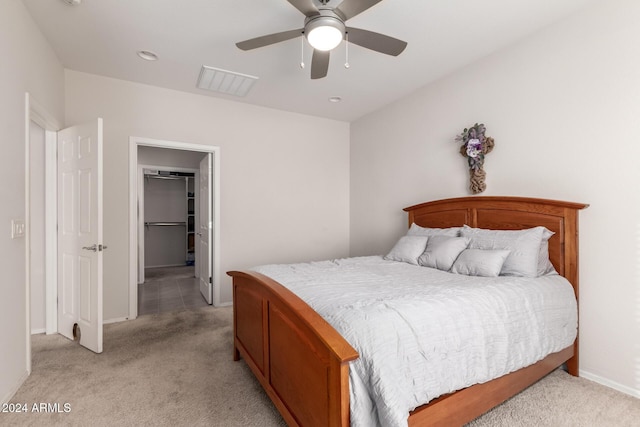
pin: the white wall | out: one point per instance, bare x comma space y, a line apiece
563, 107
284, 176
28, 64
157, 156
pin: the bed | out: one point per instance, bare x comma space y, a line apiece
303, 362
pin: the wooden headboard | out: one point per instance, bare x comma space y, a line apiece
511, 213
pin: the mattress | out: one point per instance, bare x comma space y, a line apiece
422, 332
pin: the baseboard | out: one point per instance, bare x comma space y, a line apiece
7, 398
167, 265
611, 384
38, 331
225, 304
115, 320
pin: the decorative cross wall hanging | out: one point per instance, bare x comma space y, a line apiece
475, 145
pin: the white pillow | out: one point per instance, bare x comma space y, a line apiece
416, 230
408, 249
524, 247
480, 262
442, 251
544, 264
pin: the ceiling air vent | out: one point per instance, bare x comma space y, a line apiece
223, 81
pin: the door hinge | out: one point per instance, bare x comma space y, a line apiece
210, 279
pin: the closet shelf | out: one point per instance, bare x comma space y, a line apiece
170, 177
165, 224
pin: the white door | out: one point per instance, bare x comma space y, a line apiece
80, 242
205, 229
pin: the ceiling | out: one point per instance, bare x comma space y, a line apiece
102, 37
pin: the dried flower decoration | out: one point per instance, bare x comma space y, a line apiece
475, 145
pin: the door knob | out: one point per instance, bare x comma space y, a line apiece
93, 248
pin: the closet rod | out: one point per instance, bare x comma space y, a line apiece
164, 224
170, 177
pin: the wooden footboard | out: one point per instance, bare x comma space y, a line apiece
300, 360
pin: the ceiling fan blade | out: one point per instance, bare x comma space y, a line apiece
350, 8
319, 63
269, 39
307, 7
376, 41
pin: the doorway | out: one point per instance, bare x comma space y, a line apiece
41, 218
36, 234
79, 298
167, 206
137, 146
40, 142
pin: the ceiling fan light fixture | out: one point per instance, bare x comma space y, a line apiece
324, 32
324, 28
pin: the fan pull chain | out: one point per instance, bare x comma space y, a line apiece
302, 52
346, 49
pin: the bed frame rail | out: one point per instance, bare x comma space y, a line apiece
461, 407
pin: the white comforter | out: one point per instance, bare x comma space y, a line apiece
421, 332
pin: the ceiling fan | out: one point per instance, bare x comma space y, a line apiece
324, 28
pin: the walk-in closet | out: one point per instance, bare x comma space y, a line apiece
169, 219
169, 215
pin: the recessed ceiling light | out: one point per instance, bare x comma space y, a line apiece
335, 99
72, 2
147, 55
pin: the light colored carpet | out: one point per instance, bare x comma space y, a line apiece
172, 369
176, 369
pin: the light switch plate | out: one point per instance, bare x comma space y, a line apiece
17, 228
